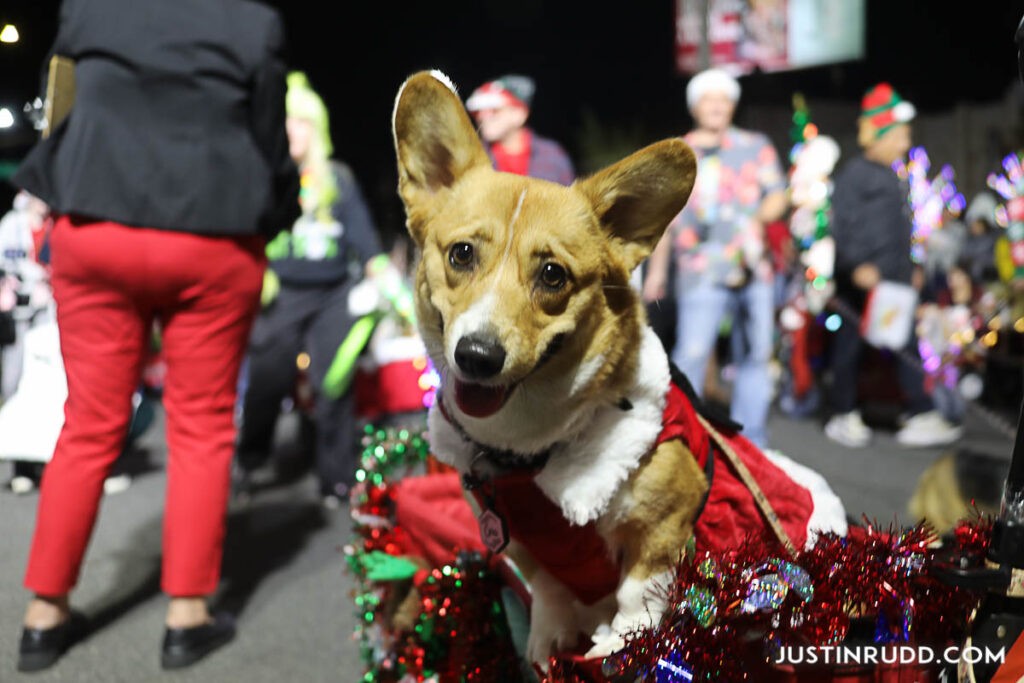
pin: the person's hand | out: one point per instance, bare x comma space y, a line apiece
376, 265
866, 276
654, 288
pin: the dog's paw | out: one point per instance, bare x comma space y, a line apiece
538, 653
609, 638
548, 639
553, 623
606, 641
538, 649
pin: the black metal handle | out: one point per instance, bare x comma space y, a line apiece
979, 579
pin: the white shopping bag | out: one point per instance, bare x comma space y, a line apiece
889, 315
31, 420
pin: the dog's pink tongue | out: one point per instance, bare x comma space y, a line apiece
476, 400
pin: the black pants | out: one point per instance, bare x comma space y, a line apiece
315, 320
847, 345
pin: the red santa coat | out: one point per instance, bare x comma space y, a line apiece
577, 555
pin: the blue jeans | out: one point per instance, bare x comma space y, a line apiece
702, 306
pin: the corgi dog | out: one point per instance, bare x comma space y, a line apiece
554, 392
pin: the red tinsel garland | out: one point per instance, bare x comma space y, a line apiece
729, 613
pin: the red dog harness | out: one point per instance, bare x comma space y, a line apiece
578, 557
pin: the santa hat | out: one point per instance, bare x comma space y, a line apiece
881, 109
508, 91
711, 80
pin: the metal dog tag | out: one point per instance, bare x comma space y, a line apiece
493, 530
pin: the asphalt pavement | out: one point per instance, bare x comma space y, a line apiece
283, 577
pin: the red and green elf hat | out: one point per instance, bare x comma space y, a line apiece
511, 90
882, 108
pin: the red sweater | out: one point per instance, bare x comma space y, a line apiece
518, 163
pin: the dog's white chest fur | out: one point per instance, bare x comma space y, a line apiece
590, 461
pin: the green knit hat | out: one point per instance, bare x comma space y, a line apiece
302, 101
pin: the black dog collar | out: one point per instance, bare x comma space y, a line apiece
503, 459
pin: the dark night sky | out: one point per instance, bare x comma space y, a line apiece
612, 59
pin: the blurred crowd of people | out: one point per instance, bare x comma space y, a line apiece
818, 284
727, 288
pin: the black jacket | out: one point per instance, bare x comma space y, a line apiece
871, 223
178, 119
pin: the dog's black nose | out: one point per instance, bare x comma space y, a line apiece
479, 358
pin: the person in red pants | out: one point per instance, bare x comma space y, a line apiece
165, 178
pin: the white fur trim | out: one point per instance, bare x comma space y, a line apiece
584, 473
828, 515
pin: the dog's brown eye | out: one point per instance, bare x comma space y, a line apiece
553, 276
461, 255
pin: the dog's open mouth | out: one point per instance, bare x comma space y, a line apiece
477, 400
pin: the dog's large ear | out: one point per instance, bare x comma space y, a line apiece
636, 198
435, 142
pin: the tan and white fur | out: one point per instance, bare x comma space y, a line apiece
524, 303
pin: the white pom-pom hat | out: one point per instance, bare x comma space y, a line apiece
711, 80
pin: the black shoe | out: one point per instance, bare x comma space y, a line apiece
186, 646
40, 648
